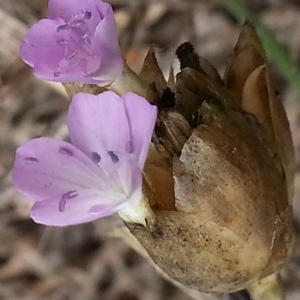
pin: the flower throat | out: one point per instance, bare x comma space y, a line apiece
77, 43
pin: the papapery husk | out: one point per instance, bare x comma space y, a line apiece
231, 224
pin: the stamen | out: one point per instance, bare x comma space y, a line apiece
113, 156
85, 38
62, 42
70, 56
65, 151
76, 43
77, 23
64, 198
32, 159
96, 157
82, 16
62, 27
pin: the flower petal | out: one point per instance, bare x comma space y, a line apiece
39, 48
99, 124
106, 33
142, 116
105, 41
69, 188
47, 167
75, 211
110, 68
85, 207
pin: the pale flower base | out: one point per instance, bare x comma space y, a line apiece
139, 214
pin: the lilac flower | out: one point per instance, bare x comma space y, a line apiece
77, 43
100, 172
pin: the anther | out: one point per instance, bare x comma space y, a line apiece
62, 42
87, 15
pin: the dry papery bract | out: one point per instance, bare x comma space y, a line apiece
219, 176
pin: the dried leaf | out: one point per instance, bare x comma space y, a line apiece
158, 181
230, 201
151, 72
247, 56
283, 138
255, 99
171, 79
194, 87
211, 71
232, 178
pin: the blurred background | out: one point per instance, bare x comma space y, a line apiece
79, 262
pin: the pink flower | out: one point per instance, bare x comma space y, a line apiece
98, 174
77, 43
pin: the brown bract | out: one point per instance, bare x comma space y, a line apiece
219, 176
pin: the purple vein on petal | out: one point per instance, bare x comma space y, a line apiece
114, 157
129, 145
64, 198
65, 151
96, 157
31, 159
